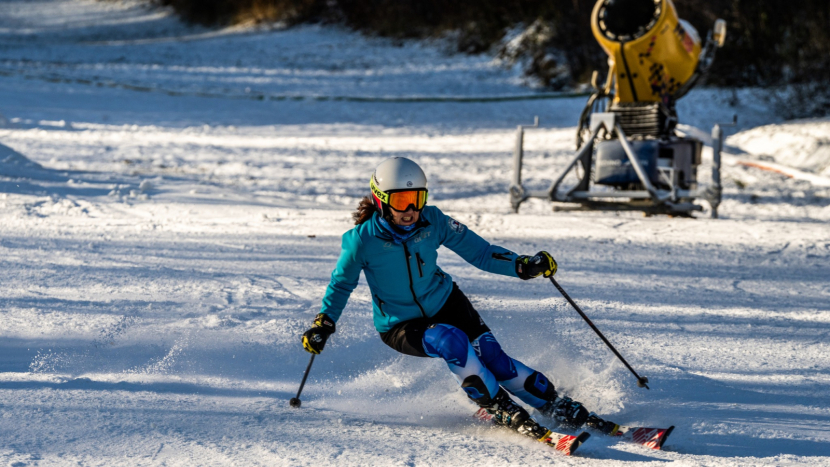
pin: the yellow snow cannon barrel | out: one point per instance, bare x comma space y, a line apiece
652, 53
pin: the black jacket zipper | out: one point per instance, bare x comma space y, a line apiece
411, 285
420, 263
380, 306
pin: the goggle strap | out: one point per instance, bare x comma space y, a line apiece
385, 198
381, 195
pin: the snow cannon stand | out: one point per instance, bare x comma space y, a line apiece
629, 156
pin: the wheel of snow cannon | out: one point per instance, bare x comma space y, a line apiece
295, 402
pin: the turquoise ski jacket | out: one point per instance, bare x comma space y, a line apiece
404, 278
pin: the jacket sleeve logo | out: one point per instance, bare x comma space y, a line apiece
455, 226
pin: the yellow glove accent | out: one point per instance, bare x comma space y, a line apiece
552, 266
307, 346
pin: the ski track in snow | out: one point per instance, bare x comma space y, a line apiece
162, 252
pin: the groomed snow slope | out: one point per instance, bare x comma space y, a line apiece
163, 247
802, 144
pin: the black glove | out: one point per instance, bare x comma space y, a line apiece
315, 338
529, 267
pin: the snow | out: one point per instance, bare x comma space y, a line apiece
163, 247
803, 144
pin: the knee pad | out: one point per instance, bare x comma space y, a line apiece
447, 342
477, 391
539, 386
493, 357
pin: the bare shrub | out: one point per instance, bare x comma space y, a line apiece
802, 100
226, 12
770, 43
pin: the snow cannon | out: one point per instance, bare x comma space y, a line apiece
629, 155
652, 54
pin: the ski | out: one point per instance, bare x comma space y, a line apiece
566, 444
652, 438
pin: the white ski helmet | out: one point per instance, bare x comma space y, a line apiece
398, 183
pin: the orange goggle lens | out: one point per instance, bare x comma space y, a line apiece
401, 200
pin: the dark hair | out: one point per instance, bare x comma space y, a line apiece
365, 209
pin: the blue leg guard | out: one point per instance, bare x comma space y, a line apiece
525, 383
451, 344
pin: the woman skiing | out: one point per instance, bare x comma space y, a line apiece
418, 309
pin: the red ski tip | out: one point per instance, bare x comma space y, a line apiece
569, 444
652, 438
665, 437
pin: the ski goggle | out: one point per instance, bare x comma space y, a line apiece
400, 200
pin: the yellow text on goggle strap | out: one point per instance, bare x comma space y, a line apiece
383, 197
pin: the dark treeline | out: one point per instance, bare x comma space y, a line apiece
769, 42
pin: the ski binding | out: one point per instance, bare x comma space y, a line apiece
564, 443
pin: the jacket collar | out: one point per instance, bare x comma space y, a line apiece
381, 233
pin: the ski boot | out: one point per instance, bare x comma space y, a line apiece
603, 426
510, 414
566, 411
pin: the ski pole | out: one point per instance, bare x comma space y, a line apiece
295, 401
641, 380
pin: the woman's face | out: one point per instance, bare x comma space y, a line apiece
405, 218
